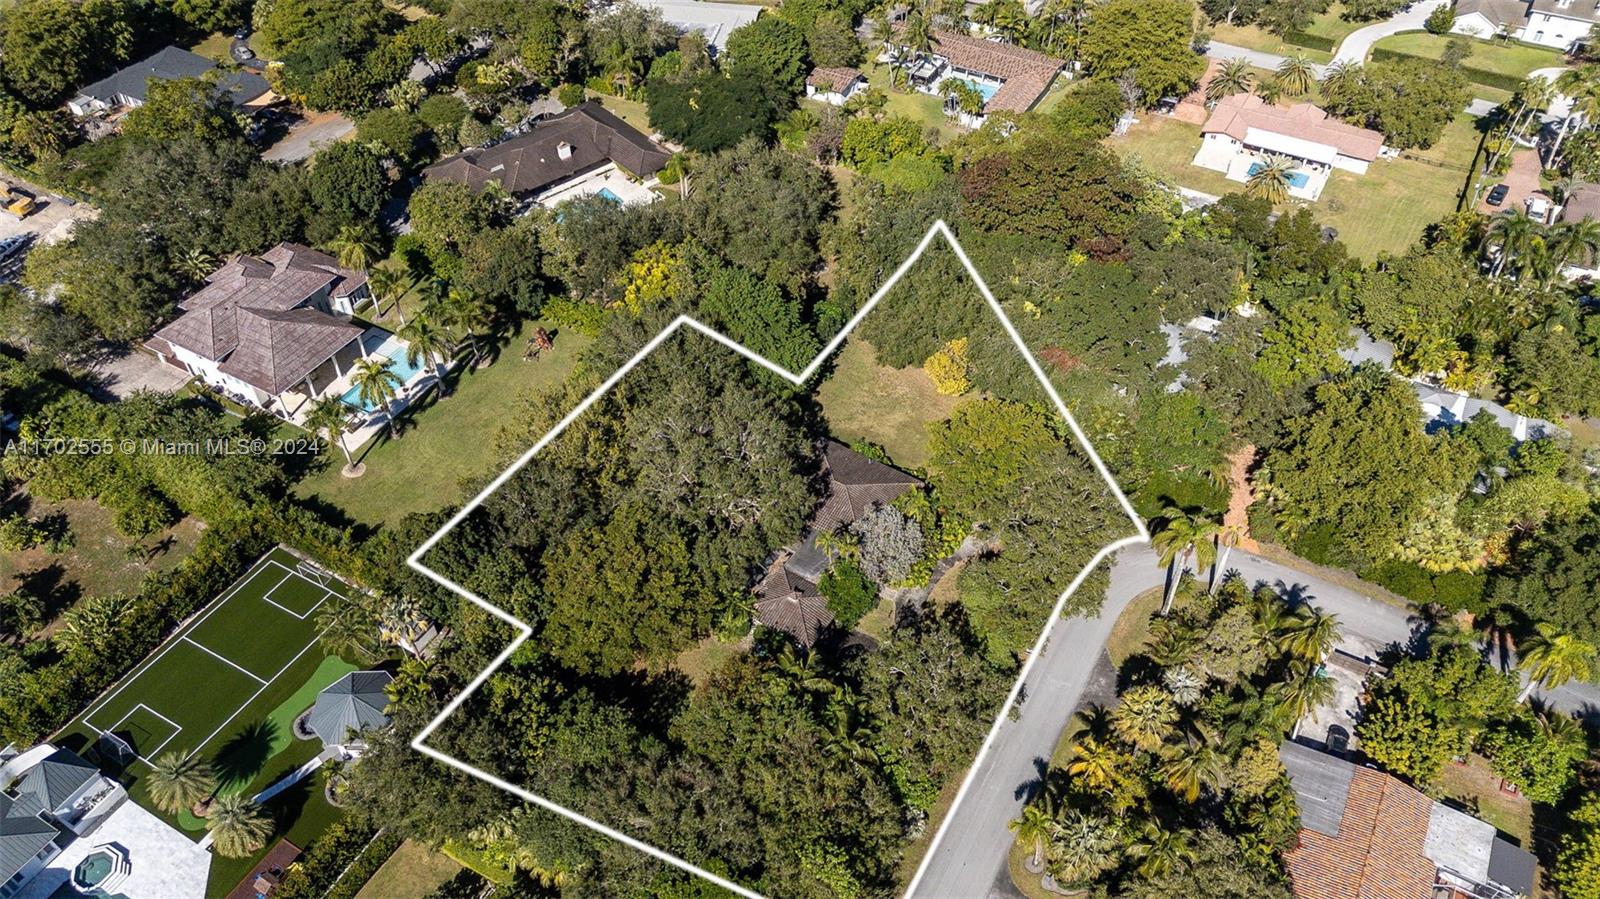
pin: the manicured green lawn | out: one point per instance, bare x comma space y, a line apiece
1477, 787
443, 441
631, 111
228, 686
924, 109
412, 872
891, 407
1385, 210
1500, 57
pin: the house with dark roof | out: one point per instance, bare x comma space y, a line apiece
127, 87
348, 708
1243, 131
1008, 77
274, 332
583, 151
48, 797
786, 597
1366, 835
1559, 24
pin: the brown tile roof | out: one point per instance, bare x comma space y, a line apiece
835, 79
531, 162
278, 349
854, 484
278, 858
1027, 73
788, 602
1378, 850
1236, 113
241, 316
1583, 202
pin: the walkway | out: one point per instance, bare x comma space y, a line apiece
1357, 44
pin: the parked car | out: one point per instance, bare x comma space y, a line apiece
1497, 194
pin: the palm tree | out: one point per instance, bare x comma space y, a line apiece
1270, 90
1552, 657
1581, 85
1297, 73
398, 619
427, 343
388, 285
196, 264
1568, 240
961, 97
1309, 636
1033, 831
918, 33
1270, 180
1160, 851
238, 826
88, 626
1082, 847
1191, 766
1514, 235
1233, 77
346, 629
1144, 718
466, 313
179, 780
329, 418
377, 386
354, 247
1228, 537
1338, 77
1302, 693
1186, 686
1182, 537
1094, 763
849, 728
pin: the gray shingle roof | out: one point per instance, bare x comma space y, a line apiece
531, 162
352, 704
53, 781
170, 63
278, 349
1512, 867
1511, 13
1321, 786
22, 834
1582, 10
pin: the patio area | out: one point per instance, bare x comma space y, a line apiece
608, 182
133, 852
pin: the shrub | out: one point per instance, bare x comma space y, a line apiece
18, 533
585, 318
314, 874
950, 369
442, 113
571, 94
1441, 20
850, 594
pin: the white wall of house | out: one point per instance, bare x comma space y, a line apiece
1558, 32
347, 305
1474, 25
834, 98
209, 372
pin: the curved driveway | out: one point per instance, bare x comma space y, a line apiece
969, 862
1356, 44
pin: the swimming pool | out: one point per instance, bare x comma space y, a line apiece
987, 90
402, 368
1296, 178
605, 193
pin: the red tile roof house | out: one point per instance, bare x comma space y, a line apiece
1011, 78
1365, 835
834, 86
275, 332
1243, 130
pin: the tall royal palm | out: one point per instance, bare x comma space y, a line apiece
1033, 832
1309, 635
1233, 76
427, 343
1551, 657
354, 247
388, 285
179, 779
1573, 242
1513, 236
1271, 178
330, 417
1182, 537
1297, 73
238, 826
465, 313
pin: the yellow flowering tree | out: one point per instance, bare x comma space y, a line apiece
949, 368
658, 272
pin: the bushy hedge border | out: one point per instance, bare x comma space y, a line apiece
365, 865
1310, 41
314, 873
1476, 76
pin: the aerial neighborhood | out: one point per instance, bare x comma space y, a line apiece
1128, 449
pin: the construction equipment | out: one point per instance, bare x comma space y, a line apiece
17, 202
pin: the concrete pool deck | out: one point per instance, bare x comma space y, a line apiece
163, 863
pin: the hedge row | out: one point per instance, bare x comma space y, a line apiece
1310, 41
316, 871
365, 865
1476, 76
43, 698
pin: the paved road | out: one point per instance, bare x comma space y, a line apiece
1219, 50
971, 857
1356, 44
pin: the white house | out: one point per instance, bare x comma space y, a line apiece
126, 88
1243, 131
714, 20
48, 797
1559, 24
834, 86
275, 332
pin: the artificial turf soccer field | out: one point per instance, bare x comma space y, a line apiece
211, 687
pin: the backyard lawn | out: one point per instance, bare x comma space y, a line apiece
1500, 57
1385, 210
891, 407
1476, 787
633, 112
443, 441
923, 109
412, 872
1328, 25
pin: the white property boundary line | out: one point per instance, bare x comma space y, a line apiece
939, 229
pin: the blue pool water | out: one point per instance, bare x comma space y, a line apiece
402, 369
606, 193
1297, 178
987, 90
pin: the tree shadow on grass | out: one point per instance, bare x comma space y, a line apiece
242, 757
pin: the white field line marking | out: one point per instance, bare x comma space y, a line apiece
308, 612
224, 659
939, 229
176, 729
